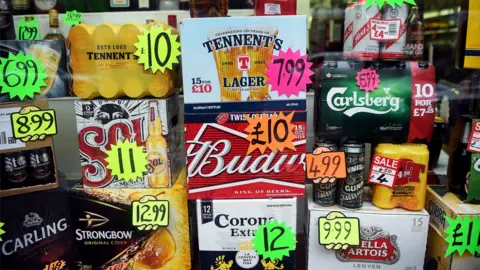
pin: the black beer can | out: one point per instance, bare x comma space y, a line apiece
351, 188
325, 193
15, 167
41, 165
435, 145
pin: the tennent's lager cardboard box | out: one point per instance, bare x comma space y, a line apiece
105, 236
152, 123
226, 227
389, 239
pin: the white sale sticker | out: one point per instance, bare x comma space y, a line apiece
385, 30
474, 143
383, 171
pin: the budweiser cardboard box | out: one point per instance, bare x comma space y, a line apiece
226, 227
105, 237
389, 239
25, 166
36, 231
152, 123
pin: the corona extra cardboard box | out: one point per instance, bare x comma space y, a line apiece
441, 203
389, 239
36, 231
151, 123
226, 227
105, 235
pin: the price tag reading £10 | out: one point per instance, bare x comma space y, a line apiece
474, 143
150, 213
385, 30
383, 171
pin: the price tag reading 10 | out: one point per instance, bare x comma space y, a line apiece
340, 230
152, 212
34, 123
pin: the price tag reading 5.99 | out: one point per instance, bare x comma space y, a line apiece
150, 213
339, 230
33, 123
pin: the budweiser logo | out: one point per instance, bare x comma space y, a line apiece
375, 246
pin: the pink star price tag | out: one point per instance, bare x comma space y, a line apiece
289, 73
368, 79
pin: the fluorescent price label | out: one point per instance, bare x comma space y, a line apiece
31, 124
150, 213
326, 164
336, 229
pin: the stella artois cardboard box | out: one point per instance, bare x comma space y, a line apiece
152, 123
226, 228
389, 239
224, 59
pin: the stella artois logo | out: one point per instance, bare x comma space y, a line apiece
376, 246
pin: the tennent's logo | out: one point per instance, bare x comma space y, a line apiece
243, 62
357, 103
93, 220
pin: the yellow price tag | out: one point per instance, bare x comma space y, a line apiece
150, 213
31, 124
337, 230
127, 161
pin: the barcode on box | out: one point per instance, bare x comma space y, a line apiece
392, 29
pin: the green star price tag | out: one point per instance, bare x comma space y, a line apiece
127, 161
463, 235
32, 123
21, 76
380, 3
336, 231
274, 240
157, 49
474, 179
72, 18
150, 213
2, 232
28, 30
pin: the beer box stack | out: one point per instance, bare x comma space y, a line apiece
440, 204
228, 184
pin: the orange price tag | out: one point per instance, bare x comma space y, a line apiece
56, 265
275, 132
326, 164
118, 266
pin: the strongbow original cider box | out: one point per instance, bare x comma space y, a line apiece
225, 60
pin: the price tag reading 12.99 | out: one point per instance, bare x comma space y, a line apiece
32, 122
150, 213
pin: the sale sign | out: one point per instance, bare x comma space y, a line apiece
383, 171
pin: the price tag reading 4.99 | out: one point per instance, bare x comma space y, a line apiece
339, 230
326, 164
33, 123
150, 213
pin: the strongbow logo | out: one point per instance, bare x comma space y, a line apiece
93, 220
375, 246
357, 103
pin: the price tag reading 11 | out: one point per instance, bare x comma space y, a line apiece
335, 229
150, 213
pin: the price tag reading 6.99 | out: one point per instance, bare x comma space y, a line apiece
339, 230
150, 213
33, 123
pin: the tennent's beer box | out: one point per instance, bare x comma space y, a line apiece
36, 231
389, 239
224, 59
151, 123
105, 237
435, 257
401, 108
226, 228
218, 166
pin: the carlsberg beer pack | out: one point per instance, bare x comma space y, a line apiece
400, 109
226, 228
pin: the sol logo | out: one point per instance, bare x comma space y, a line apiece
243, 62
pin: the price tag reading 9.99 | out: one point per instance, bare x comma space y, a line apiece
33, 123
339, 230
150, 213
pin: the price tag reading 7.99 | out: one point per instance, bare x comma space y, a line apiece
150, 213
326, 164
338, 230
31, 123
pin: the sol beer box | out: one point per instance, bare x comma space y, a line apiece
226, 228
36, 231
400, 109
106, 239
152, 123
440, 204
389, 239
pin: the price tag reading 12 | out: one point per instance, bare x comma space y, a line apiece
31, 121
339, 230
150, 213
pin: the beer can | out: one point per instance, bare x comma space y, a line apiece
351, 188
325, 193
348, 32
15, 167
363, 47
41, 165
395, 50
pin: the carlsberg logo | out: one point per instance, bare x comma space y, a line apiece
358, 104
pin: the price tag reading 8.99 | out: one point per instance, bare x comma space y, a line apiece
33, 123
150, 213
338, 229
